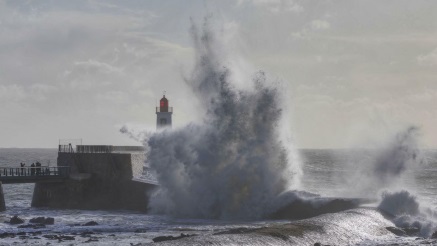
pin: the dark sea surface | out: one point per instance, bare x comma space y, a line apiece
325, 172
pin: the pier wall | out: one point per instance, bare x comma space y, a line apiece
2, 199
97, 181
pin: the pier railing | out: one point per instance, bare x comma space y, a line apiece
43, 171
94, 148
99, 149
66, 148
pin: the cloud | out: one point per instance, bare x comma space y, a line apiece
41, 92
426, 97
319, 25
276, 6
309, 29
18, 94
12, 93
429, 59
93, 66
118, 97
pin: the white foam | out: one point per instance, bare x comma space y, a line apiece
407, 212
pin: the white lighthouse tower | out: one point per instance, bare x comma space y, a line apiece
163, 114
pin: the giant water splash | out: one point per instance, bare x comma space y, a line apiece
238, 160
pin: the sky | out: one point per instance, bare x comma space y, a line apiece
356, 72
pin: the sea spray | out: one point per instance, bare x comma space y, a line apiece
402, 154
237, 161
384, 168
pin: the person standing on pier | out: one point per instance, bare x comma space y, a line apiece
22, 164
38, 168
32, 170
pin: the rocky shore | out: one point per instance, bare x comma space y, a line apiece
37, 223
49, 231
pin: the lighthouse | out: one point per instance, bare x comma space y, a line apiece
163, 114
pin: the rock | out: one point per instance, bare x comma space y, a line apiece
303, 209
51, 236
396, 231
21, 233
239, 230
66, 237
59, 237
317, 244
163, 238
37, 220
34, 226
410, 231
43, 220
16, 220
86, 234
434, 235
91, 223
6, 234
427, 242
49, 221
140, 231
92, 240
168, 238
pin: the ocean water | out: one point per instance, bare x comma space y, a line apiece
325, 172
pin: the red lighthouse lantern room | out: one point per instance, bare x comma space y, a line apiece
163, 104
163, 114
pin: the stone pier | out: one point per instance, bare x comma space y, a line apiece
97, 181
2, 199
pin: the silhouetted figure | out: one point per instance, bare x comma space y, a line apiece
38, 168
22, 164
32, 170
